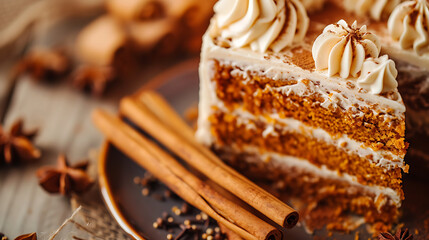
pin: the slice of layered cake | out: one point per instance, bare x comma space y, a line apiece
403, 28
318, 116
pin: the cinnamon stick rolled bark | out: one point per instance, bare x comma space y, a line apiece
201, 158
181, 181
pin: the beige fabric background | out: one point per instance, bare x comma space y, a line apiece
22, 21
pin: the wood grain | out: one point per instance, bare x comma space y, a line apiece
63, 117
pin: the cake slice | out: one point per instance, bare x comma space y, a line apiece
321, 119
402, 27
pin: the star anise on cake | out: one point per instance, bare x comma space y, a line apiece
29, 236
401, 234
16, 145
43, 64
93, 78
63, 178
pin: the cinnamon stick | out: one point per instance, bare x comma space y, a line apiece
180, 141
181, 181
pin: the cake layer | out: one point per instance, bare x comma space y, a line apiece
296, 99
316, 189
232, 130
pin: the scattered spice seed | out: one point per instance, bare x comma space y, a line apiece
218, 236
145, 192
158, 197
182, 233
185, 209
189, 229
136, 180
167, 194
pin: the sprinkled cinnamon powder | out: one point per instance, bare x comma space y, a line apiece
303, 59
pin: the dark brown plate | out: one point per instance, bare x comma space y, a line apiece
136, 213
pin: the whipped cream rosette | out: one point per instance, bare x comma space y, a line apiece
378, 75
408, 24
342, 49
376, 9
261, 24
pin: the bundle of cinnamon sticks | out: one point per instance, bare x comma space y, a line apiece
150, 112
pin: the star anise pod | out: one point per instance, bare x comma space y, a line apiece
43, 64
63, 178
93, 78
3, 237
401, 234
16, 145
30, 236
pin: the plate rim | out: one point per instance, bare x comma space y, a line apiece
105, 187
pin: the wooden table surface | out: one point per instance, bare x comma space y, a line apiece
62, 115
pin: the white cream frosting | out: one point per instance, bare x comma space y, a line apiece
342, 49
376, 9
378, 75
261, 24
408, 24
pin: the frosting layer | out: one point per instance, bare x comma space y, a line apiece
261, 24
342, 49
378, 75
408, 24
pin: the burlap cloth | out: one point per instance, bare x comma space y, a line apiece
90, 218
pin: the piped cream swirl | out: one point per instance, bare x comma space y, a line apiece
408, 24
261, 24
342, 49
376, 9
378, 75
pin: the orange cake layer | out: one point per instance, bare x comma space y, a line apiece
229, 132
321, 201
256, 94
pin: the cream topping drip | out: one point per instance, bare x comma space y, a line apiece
378, 75
261, 24
376, 9
342, 49
408, 24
